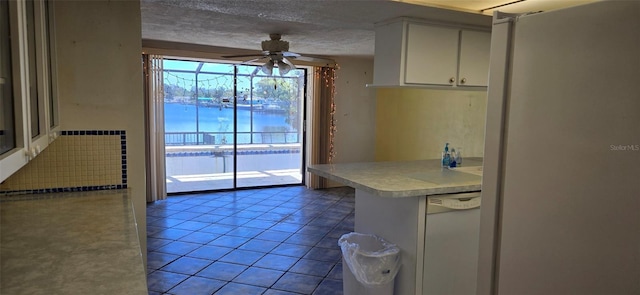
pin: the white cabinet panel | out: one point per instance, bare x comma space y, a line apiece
388, 63
450, 253
432, 54
474, 58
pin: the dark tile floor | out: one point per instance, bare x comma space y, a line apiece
272, 241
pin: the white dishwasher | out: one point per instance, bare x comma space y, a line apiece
451, 244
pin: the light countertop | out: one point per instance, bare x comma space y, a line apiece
404, 178
70, 243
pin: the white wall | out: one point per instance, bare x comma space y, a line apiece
100, 80
415, 123
355, 115
355, 111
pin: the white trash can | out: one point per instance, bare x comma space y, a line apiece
369, 264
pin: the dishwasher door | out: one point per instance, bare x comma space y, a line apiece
451, 244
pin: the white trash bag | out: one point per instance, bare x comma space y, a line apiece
372, 260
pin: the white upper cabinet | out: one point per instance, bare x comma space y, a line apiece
474, 58
432, 55
412, 53
29, 106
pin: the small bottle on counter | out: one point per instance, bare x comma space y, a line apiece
459, 156
446, 156
452, 162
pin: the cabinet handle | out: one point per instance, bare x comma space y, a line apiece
31, 153
464, 80
452, 80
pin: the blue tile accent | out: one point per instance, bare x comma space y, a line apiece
123, 148
17, 195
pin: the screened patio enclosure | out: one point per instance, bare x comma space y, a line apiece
231, 126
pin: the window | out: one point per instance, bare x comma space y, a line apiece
7, 117
28, 119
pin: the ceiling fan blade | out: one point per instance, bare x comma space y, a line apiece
255, 71
290, 54
321, 60
253, 60
243, 55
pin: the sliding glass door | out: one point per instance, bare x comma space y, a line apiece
270, 113
230, 126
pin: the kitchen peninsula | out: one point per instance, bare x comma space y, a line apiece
391, 202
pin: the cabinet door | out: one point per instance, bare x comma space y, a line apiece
28, 105
432, 55
474, 58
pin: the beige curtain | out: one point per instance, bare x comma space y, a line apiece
154, 135
323, 125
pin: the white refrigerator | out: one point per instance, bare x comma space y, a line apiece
560, 207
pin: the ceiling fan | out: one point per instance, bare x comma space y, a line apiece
277, 53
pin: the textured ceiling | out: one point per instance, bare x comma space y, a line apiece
315, 27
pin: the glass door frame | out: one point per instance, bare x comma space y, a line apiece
302, 135
301, 125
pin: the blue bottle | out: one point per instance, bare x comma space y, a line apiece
446, 156
453, 157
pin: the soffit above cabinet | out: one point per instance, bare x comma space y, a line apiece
487, 7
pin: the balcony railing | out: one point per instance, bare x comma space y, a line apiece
211, 138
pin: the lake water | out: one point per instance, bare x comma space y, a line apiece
182, 118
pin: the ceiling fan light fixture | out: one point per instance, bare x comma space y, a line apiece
283, 68
267, 68
277, 51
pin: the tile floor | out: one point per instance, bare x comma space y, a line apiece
272, 241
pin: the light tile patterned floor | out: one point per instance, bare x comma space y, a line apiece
272, 241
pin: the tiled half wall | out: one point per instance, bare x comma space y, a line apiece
76, 161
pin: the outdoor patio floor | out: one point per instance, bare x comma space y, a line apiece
200, 173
